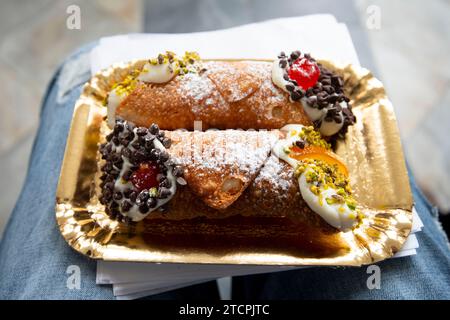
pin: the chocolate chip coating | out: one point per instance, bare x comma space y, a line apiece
130, 147
154, 129
164, 193
151, 203
177, 171
141, 131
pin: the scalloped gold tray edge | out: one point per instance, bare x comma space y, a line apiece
372, 151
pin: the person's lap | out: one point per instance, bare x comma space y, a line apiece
423, 276
34, 257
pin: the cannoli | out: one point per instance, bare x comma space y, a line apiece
285, 169
175, 92
288, 173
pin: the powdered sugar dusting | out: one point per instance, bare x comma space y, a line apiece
271, 96
237, 150
259, 68
274, 172
202, 93
237, 80
196, 86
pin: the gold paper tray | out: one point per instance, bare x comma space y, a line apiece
371, 150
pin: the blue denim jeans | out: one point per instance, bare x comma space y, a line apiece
34, 258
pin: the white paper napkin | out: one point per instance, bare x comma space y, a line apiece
320, 35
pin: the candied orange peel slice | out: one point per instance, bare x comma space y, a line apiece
318, 153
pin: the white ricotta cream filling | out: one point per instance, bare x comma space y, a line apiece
327, 128
114, 100
157, 73
339, 215
121, 185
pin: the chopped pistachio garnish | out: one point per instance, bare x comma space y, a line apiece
313, 137
162, 58
153, 192
335, 199
185, 64
126, 86
322, 175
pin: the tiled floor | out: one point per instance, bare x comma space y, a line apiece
33, 41
410, 49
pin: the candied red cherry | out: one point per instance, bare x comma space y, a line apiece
305, 71
145, 177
